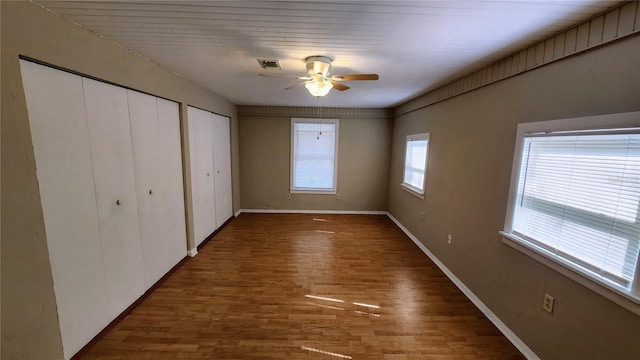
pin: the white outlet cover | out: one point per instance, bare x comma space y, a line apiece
547, 305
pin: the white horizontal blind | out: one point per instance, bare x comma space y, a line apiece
578, 197
313, 155
415, 162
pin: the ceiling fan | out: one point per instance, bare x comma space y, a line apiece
318, 81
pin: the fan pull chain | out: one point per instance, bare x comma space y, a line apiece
320, 130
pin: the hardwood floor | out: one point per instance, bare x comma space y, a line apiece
283, 286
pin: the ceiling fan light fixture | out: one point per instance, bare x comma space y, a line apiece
318, 89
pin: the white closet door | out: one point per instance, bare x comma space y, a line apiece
155, 133
202, 173
145, 141
55, 104
173, 220
108, 119
222, 164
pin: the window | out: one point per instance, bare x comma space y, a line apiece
314, 147
415, 163
575, 197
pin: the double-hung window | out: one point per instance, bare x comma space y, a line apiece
575, 197
314, 149
415, 163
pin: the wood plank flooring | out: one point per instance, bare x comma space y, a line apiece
301, 286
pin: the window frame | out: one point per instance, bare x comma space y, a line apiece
627, 298
294, 190
406, 186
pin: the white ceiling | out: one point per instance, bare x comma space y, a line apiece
415, 46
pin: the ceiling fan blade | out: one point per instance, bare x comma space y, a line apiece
295, 85
355, 77
275, 75
340, 87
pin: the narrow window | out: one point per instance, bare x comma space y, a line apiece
415, 163
314, 147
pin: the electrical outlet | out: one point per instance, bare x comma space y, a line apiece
422, 216
288, 196
337, 196
449, 239
547, 305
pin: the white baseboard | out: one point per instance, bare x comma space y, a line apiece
285, 211
237, 213
193, 252
510, 335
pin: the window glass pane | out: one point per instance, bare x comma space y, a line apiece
579, 196
314, 155
415, 163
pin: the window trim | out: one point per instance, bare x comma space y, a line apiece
408, 187
334, 190
629, 299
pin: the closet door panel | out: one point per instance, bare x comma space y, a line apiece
222, 163
207, 178
55, 104
206, 219
172, 182
145, 132
202, 173
108, 119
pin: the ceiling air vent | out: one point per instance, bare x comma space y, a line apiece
269, 64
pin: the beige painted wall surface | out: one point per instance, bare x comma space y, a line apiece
29, 323
472, 143
0, 199
363, 164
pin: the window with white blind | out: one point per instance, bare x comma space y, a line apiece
415, 163
576, 197
314, 148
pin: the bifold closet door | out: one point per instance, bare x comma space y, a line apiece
173, 181
155, 136
222, 164
143, 114
110, 138
202, 173
55, 104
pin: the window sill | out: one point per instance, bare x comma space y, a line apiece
313, 192
628, 301
412, 190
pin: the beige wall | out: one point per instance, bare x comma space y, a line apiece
471, 149
363, 159
29, 323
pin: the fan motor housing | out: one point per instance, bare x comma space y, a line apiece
318, 65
